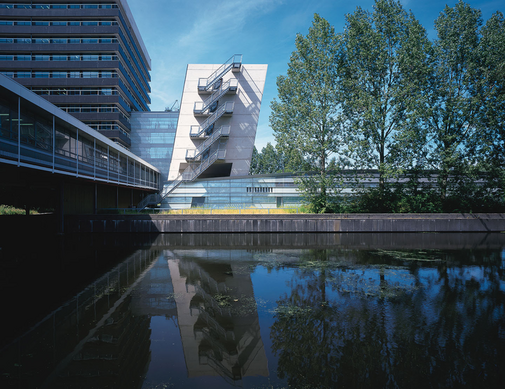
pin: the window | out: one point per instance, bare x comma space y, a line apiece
23, 58
58, 23
24, 75
90, 74
59, 75
41, 58
40, 23
59, 57
90, 57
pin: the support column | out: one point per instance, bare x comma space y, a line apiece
60, 211
95, 200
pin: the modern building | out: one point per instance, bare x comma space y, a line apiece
216, 127
88, 59
84, 56
45, 151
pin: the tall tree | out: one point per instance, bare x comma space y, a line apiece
454, 101
385, 62
307, 116
488, 147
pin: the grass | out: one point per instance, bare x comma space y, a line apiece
10, 210
231, 211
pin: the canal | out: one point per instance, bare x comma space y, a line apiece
253, 311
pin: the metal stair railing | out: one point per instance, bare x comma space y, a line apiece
229, 86
223, 131
234, 62
190, 173
152, 199
197, 131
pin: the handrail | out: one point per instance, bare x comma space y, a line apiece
201, 106
225, 108
223, 131
235, 61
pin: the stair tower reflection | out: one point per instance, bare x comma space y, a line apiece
218, 319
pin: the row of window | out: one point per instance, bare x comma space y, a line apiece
259, 190
71, 57
59, 57
73, 40
108, 126
80, 92
58, 23
48, 136
59, 74
104, 22
103, 108
58, 6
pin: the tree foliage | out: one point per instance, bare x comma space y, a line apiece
307, 115
385, 61
428, 117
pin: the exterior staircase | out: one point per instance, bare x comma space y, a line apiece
203, 156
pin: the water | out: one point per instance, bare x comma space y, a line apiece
264, 311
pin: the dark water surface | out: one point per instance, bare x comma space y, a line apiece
254, 311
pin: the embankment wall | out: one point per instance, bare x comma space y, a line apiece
286, 223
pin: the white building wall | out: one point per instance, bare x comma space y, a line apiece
243, 122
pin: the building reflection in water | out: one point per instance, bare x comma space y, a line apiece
218, 319
94, 340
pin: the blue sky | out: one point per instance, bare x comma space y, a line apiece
178, 32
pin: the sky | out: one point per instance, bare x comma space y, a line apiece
181, 32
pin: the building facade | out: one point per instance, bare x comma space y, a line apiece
86, 57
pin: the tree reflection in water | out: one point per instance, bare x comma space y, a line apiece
392, 320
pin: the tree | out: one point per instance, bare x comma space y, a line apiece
273, 160
307, 115
488, 148
462, 87
385, 62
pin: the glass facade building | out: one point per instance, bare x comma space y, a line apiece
37, 135
84, 56
153, 137
258, 191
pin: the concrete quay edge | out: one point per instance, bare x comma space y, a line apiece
286, 223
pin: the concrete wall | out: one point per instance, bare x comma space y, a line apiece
287, 223
243, 122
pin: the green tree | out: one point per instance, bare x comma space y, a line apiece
274, 160
487, 149
457, 107
306, 116
385, 63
